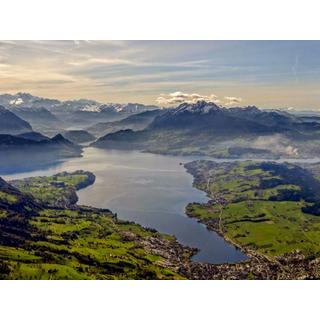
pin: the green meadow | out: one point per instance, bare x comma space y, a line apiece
38, 241
258, 206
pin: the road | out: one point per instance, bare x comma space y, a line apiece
222, 202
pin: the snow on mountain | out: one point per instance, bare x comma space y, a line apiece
16, 101
91, 108
134, 107
200, 107
27, 100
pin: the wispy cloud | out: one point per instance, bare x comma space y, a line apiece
294, 68
263, 73
99, 61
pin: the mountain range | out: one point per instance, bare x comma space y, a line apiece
205, 128
201, 128
40, 118
50, 116
134, 122
33, 151
34, 141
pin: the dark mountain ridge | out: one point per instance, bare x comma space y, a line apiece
208, 116
78, 136
134, 122
32, 144
205, 128
32, 135
11, 123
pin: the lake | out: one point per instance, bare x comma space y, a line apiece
152, 190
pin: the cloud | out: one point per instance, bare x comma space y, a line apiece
275, 143
179, 97
232, 100
99, 61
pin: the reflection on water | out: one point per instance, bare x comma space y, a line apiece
12, 162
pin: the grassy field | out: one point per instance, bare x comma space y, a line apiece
84, 245
260, 206
41, 242
7, 197
57, 190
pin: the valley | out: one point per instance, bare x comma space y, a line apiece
152, 190
257, 207
209, 192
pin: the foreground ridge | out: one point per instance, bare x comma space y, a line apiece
45, 235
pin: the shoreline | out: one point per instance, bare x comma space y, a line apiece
179, 255
257, 266
214, 158
290, 266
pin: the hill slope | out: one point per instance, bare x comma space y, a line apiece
78, 136
263, 206
44, 242
11, 123
35, 136
57, 143
39, 117
134, 122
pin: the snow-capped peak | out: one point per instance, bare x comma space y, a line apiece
16, 102
200, 107
91, 108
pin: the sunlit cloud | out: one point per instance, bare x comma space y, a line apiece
232, 100
99, 61
181, 97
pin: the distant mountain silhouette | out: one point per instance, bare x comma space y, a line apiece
78, 136
31, 142
134, 122
37, 116
11, 123
46, 114
35, 136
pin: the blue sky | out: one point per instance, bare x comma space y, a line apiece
263, 73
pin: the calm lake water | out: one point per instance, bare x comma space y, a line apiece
152, 190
